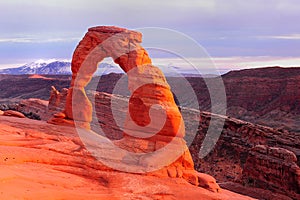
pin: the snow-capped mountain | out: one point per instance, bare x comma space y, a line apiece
56, 67
41, 67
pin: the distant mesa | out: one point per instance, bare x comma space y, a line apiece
275, 72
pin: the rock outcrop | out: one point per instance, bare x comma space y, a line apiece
13, 113
237, 158
98, 43
44, 161
153, 129
57, 99
34, 109
273, 168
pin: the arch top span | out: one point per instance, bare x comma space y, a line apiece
122, 45
133, 35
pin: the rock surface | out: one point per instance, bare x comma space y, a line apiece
273, 168
236, 156
98, 43
227, 161
43, 161
34, 109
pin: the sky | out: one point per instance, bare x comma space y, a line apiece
234, 33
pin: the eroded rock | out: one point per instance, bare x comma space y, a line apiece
274, 168
153, 122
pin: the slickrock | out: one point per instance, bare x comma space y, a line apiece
43, 161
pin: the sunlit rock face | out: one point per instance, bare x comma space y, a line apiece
45, 161
153, 124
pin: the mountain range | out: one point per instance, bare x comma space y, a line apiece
63, 67
55, 67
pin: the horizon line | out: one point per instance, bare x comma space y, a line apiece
220, 63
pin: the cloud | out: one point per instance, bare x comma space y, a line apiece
38, 40
15, 40
282, 37
224, 28
224, 64
243, 62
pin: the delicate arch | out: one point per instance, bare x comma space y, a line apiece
148, 87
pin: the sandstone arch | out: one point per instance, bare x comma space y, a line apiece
148, 87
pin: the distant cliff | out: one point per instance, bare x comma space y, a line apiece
267, 96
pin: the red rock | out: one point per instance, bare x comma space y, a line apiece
208, 182
145, 128
269, 96
43, 161
274, 168
13, 113
57, 99
35, 108
243, 154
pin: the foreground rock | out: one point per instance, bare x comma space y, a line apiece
43, 161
